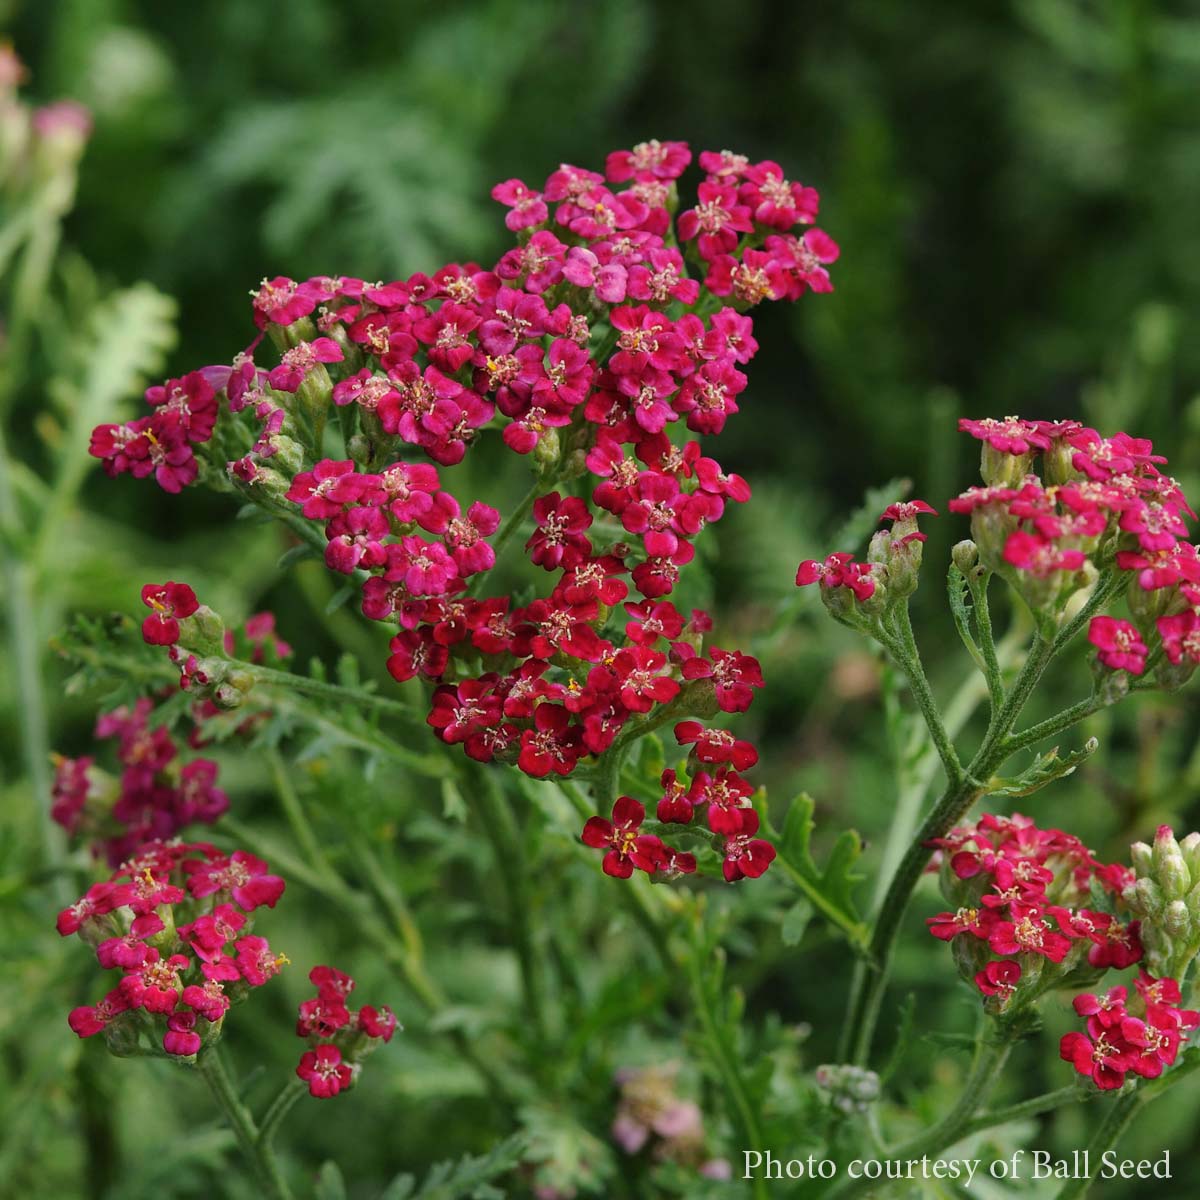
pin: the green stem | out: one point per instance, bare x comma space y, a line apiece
993, 672
1056, 724
293, 810
1120, 1112
990, 1055
256, 1150
278, 1109
357, 697
1035, 1106
904, 650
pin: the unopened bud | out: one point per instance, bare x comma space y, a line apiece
965, 556
1165, 846
203, 632
1000, 469
1141, 855
227, 697
1176, 919
1147, 899
547, 453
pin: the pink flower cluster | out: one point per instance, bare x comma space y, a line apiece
175, 921
1102, 501
162, 444
339, 1037
155, 797
1118, 1041
587, 344
1021, 894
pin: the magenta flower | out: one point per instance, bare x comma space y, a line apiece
324, 1072
1118, 644
171, 602
526, 207
240, 876
625, 847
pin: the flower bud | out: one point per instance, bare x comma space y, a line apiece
1145, 898
698, 699
1190, 848
1141, 856
121, 1035
1165, 846
227, 697
990, 526
547, 453
1056, 463
1167, 898
1172, 676
965, 556
1177, 920
242, 680
286, 337
203, 633
289, 454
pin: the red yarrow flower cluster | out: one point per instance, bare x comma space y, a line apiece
175, 920
1023, 905
595, 349
339, 1037
155, 796
1142, 1036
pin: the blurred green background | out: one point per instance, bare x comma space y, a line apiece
1013, 185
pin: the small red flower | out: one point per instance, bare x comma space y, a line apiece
171, 602
625, 847
324, 1072
1118, 644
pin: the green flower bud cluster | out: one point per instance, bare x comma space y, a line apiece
851, 1089
1165, 895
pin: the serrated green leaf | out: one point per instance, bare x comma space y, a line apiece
957, 591
1046, 768
831, 890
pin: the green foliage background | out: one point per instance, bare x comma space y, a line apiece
1014, 188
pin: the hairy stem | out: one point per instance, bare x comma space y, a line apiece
257, 1151
1120, 1112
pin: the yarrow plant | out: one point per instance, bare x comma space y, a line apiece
601, 356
